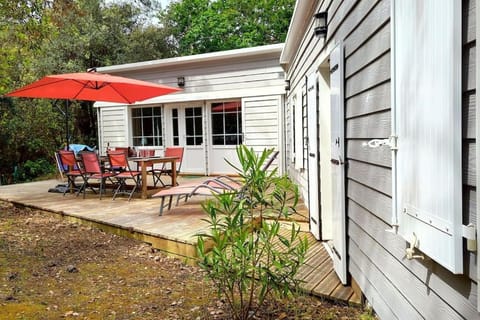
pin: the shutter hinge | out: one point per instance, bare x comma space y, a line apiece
469, 232
375, 143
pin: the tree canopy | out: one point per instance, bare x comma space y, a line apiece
200, 26
43, 37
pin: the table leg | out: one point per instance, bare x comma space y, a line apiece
144, 181
174, 173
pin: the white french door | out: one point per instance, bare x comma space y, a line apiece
185, 127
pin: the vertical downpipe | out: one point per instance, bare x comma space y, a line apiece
393, 111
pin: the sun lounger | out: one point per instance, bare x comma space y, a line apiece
209, 187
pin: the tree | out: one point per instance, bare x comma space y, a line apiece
56, 36
200, 26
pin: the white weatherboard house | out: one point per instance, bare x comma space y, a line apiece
378, 127
381, 136
228, 98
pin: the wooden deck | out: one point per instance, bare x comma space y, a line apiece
175, 232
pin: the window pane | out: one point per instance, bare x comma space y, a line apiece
231, 139
188, 112
175, 141
137, 141
198, 111
137, 127
175, 113
198, 126
198, 141
175, 127
157, 126
136, 112
218, 140
231, 123
217, 123
189, 126
157, 111
147, 112
147, 127
190, 141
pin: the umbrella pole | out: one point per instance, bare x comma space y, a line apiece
66, 125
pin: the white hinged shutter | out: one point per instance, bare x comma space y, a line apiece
427, 84
313, 183
298, 135
337, 138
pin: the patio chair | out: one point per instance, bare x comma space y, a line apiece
166, 168
118, 159
72, 170
211, 186
93, 171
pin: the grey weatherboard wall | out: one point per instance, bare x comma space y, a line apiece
396, 287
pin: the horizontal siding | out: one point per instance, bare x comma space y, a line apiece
373, 100
411, 289
455, 289
112, 127
217, 77
396, 287
422, 290
258, 111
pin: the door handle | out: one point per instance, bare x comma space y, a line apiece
336, 162
311, 154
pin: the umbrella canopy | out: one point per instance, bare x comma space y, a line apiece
92, 86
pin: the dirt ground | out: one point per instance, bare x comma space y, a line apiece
54, 269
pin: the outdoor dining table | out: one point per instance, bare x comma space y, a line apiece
144, 161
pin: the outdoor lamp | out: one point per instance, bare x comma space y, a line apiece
321, 24
287, 85
181, 81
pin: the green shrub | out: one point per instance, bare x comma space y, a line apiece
32, 170
250, 257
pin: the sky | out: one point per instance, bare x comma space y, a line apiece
164, 3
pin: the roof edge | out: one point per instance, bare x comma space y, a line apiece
204, 57
296, 30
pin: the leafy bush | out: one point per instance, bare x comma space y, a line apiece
251, 258
32, 170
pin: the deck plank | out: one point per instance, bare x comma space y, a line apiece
175, 232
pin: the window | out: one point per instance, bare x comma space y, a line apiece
194, 127
428, 119
147, 126
227, 123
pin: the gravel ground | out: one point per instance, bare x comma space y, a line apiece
54, 269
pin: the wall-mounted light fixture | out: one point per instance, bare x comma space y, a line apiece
181, 82
321, 24
287, 85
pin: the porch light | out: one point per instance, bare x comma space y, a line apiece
321, 24
287, 85
181, 81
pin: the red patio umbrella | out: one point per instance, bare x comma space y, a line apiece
92, 86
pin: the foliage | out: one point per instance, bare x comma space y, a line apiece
201, 26
43, 37
33, 169
251, 258
46, 37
